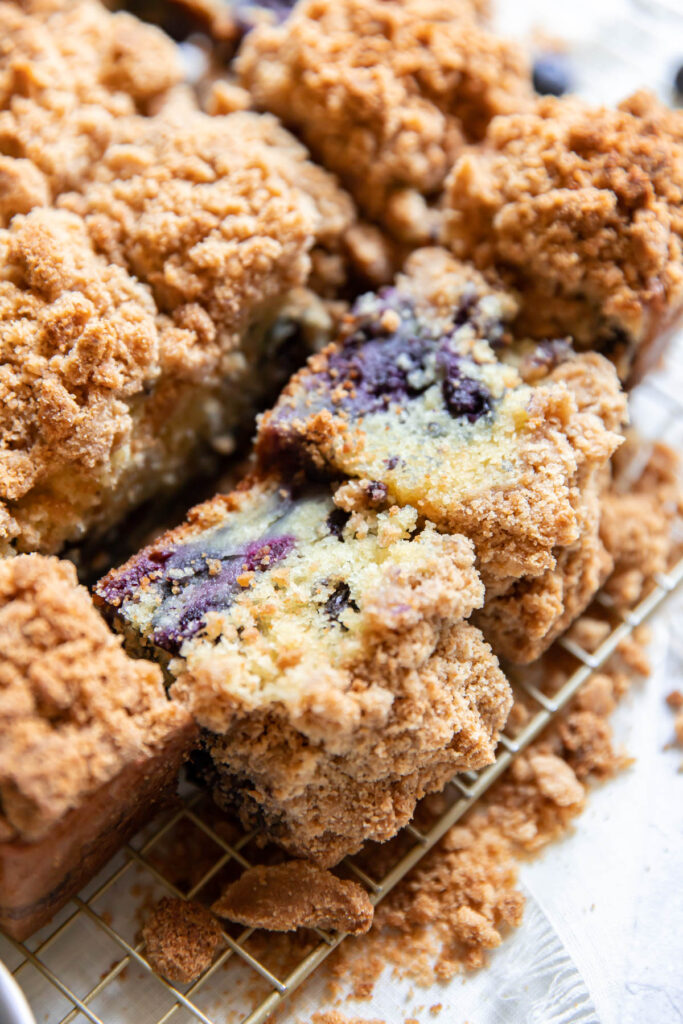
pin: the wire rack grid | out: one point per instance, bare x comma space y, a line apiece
663, 411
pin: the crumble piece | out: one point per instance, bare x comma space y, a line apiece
675, 702
89, 744
556, 780
324, 654
415, 397
181, 938
68, 72
334, 1017
579, 209
284, 897
640, 516
385, 93
216, 214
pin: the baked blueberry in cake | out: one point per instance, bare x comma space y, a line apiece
415, 396
323, 652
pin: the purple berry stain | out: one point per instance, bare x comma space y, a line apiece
195, 578
386, 361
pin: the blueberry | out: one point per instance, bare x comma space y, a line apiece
678, 81
339, 600
552, 75
336, 521
466, 397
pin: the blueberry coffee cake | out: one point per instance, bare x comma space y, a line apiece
89, 744
385, 93
581, 210
415, 399
323, 652
431, 491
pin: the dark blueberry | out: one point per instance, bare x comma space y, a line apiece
338, 601
463, 395
552, 75
678, 81
187, 601
466, 397
336, 521
376, 492
393, 462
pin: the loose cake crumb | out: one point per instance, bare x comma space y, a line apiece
294, 895
181, 938
334, 1017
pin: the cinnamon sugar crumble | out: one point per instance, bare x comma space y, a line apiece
181, 938
297, 894
580, 209
74, 708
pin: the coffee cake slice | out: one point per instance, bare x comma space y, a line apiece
420, 396
324, 654
90, 746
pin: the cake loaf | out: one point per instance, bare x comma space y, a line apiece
90, 747
136, 320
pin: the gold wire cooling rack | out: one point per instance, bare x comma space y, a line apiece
96, 975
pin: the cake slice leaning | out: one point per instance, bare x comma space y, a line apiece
90, 746
324, 653
421, 396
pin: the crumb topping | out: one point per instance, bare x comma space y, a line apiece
581, 210
67, 73
74, 708
384, 93
216, 214
79, 337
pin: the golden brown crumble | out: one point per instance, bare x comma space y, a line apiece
523, 620
637, 523
581, 210
334, 1017
675, 702
181, 938
68, 71
297, 894
74, 708
216, 214
384, 93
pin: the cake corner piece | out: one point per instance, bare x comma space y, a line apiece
91, 747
